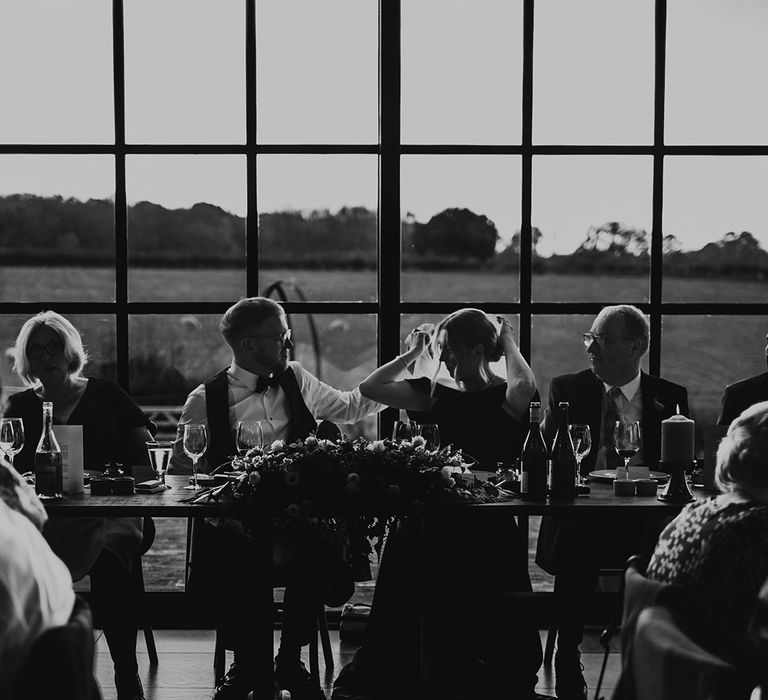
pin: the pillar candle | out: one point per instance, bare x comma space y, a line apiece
677, 440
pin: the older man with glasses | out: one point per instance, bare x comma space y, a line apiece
613, 388
261, 384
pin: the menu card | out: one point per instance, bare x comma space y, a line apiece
70, 439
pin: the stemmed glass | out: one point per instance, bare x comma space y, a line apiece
195, 443
431, 434
626, 441
249, 434
403, 430
581, 437
11, 437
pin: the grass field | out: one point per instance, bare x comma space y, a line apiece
704, 353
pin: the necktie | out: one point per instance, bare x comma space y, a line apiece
263, 382
613, 412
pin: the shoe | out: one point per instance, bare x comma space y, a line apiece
294, 677
128, 686
234, 686
569, 678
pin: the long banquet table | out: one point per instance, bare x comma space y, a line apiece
441, 609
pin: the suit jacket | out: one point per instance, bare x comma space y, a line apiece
741, 395
584, 392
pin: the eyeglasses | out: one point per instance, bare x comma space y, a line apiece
602, 340
284, 337
53, 347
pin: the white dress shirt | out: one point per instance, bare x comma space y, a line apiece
631, 410
35, 591
323, 401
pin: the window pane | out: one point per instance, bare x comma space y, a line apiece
97, 332
726, 349
715, 83
317, 76
184, 71
57, 231
715, 228
592, 221
593, 71
186, 227
317, 226
557, 348
461, 71
57, 77
460, 218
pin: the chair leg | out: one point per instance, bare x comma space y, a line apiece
219, 659
314, 661
149, 636
325, 640
549, 647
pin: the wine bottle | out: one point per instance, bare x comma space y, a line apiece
48, 465
533, 479
563, 479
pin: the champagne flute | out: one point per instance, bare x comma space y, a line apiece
249, 434
195, 443
403, 430
626, 441
11, 437
581, 437
431, 434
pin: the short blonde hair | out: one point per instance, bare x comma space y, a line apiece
73, 344
742, 456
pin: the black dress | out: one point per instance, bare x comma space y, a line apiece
503, 661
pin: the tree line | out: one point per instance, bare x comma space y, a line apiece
45, 230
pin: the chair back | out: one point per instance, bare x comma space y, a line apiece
670, 665
60, 663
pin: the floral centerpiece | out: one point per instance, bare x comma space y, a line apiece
354, 489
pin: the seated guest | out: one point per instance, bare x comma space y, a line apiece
743, 394
49, 357
612, 388
486, 416
35, 586
262, 385
716, 548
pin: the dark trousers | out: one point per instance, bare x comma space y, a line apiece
303, 562
115, 593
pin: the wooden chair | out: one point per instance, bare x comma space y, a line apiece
147, 539
60, 662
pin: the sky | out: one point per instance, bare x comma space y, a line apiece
461, 82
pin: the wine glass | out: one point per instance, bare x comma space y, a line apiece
626, 441
431, 434
195, 442
581, 437
403, 430
11, 437
249, 434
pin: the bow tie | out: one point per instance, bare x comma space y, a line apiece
263, 382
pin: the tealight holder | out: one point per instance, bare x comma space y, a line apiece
676, 489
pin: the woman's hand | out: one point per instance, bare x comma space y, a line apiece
506, 334
418, 340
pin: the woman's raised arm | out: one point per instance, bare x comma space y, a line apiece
521, 384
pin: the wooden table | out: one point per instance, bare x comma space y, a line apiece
169, 505
442, 609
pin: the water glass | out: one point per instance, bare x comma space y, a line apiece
431, 434
195, 443
160, 452
403, 430
11, 437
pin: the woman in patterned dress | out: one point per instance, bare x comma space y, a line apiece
717, 549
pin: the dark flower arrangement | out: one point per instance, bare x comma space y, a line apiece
353, 489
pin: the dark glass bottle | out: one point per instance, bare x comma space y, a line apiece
48, 465
563, 479
533, 480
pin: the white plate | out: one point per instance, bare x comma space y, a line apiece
610, 475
